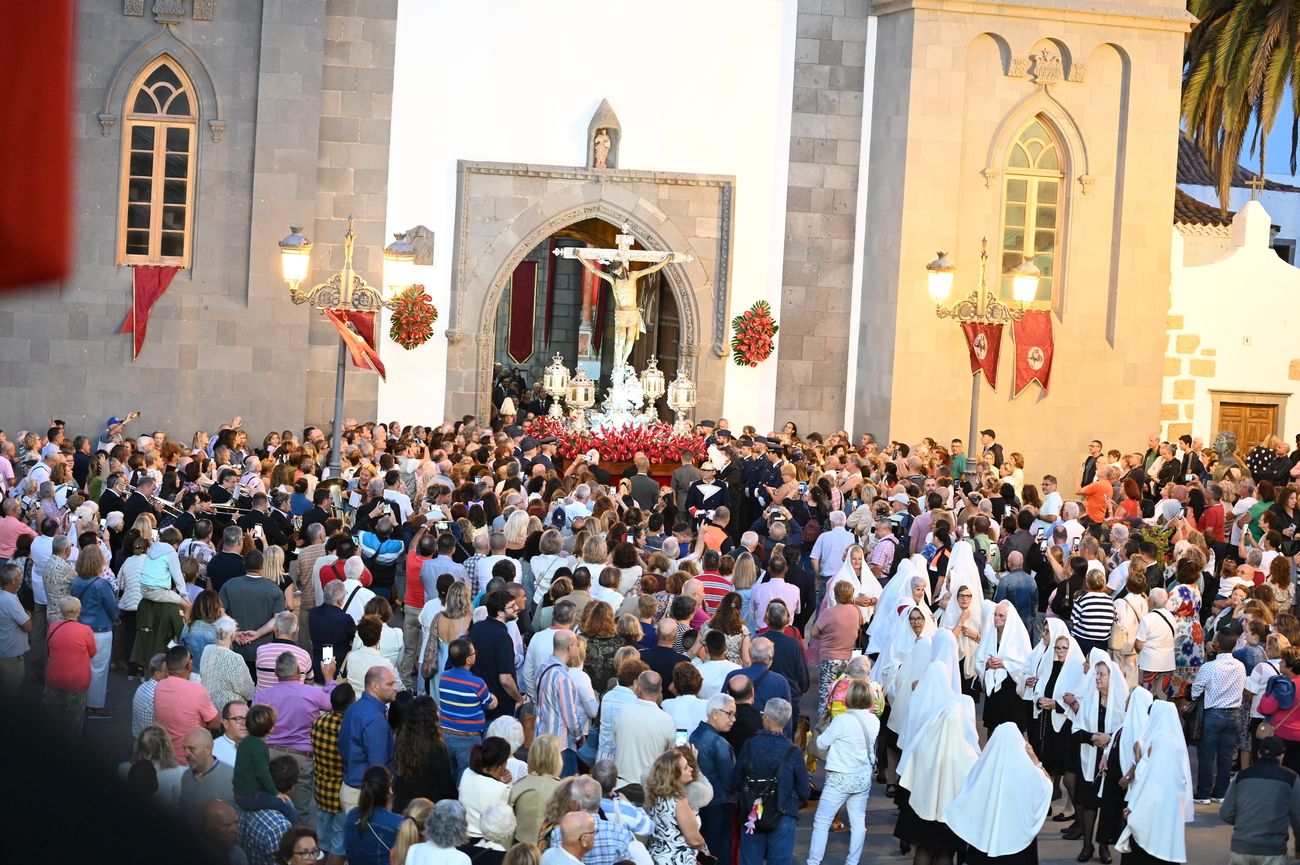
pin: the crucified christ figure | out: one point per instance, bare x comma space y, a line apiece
628, 324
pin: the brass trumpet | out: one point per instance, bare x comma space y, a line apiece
169, 508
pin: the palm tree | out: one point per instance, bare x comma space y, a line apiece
1241, 59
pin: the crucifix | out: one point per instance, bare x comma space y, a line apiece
628, 321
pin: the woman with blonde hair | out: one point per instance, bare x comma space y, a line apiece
516, 532
1256, 682
451, 623
530, 795
153, 745
677, 838
411, 830
743, 576
595, 555
274, 573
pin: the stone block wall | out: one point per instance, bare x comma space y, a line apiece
821, 202
224, 339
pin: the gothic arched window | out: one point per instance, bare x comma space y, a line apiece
1032, 206
157, 186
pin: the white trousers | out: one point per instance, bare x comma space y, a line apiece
98, 693
827, 806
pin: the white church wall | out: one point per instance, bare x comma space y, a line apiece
1283, 207
698, 87
1219, 340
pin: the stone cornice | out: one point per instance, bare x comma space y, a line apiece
605, 175
1129, 16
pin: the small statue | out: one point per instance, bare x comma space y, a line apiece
600, 149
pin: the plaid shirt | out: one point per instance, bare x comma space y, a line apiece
260, 833
329, 762
471, 567
611, 843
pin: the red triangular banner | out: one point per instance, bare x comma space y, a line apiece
358, 332
148, 282
1033, 335
984, 344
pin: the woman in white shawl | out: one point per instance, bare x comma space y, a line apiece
1163, 723
963, 610
899, 591
904, 682
1001, 661
1157, 804
1098, 711
934, 690
1059, 672
1001, 807
866, 588
911, 624
933, 772
1118, 761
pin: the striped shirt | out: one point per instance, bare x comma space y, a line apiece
559, 706
462, 699
269, 653
1092, 617
716, 588
328, 761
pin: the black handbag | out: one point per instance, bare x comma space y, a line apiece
1193, 715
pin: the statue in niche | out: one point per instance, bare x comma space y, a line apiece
600, 147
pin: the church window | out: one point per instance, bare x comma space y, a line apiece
1032, 206
157, 184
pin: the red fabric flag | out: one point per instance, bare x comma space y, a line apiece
1033, 335
36, 163
523, 307
984, 343
358, 332
148, 282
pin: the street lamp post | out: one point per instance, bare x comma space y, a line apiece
981, 306
344, 291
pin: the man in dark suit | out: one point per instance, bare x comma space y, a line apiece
683, 477
139, 501
1191, 460
260, 516
110, 499
768, 683
317, 513
806, 583
1088, 473
749, 720
645, 489
662, 657
330, 626
989, 439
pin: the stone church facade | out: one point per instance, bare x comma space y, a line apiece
289, 117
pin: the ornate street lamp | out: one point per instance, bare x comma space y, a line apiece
344, 291
981, 306
652, 387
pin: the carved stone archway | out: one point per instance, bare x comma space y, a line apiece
505, 211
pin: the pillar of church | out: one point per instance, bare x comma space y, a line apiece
955, 86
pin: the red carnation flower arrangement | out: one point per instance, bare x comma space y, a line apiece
752, 332
656, 440
411, 319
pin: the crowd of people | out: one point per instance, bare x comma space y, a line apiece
460, 647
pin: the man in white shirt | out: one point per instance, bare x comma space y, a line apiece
581, 504
828, 552
1245, 501
1051, 499
1154, 644
497, 547
394, 492
642, 732
359, 661
541, 646
1073, 528
355, 595
234, 720
714, 671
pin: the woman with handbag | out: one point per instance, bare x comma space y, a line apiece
850, 742
1256, 683
1285, 721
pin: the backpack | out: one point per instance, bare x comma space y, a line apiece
900, 553
1282, 689
763, 796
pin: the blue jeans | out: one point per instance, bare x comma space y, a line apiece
458, 747
773, 848
1218, 741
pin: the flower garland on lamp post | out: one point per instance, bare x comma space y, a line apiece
752, 335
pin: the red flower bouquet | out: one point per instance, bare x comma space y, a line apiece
752, 332
412, 317
656, 440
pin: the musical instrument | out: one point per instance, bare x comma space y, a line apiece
171, 509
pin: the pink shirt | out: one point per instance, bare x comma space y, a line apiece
12, 528
773, 590
179, 706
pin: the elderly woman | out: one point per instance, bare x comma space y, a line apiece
498, 827
836, 632
153, 745
444, 831
225, 675
509, 729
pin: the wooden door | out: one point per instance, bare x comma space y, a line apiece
1250, 422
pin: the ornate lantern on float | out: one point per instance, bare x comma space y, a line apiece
681, 399
555, 381
582, 396
652, 386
